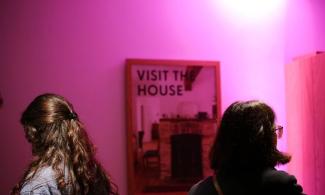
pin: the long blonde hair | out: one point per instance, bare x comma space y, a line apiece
58, 137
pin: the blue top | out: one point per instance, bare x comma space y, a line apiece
43, 183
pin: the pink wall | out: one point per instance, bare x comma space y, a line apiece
305, 28
77, 49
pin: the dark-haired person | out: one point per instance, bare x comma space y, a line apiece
244, 155
64, 157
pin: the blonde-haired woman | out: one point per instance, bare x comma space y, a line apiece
64, 160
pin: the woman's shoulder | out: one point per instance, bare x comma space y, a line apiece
43, 182
280, 182
204, 186
273, 176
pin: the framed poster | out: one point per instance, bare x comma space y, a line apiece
173, 108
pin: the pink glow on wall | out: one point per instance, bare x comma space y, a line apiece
77, 49
252, 11
300, 34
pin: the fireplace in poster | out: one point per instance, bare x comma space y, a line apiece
183, 145
186, 159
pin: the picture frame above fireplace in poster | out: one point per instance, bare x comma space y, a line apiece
173, 108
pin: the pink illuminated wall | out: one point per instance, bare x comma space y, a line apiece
78, 48
305, 28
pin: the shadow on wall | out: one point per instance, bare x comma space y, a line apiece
1, 101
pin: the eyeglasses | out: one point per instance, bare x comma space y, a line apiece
278, 130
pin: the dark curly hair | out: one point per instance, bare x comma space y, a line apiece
58, 138
246, 138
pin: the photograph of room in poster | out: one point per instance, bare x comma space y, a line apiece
174, 113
